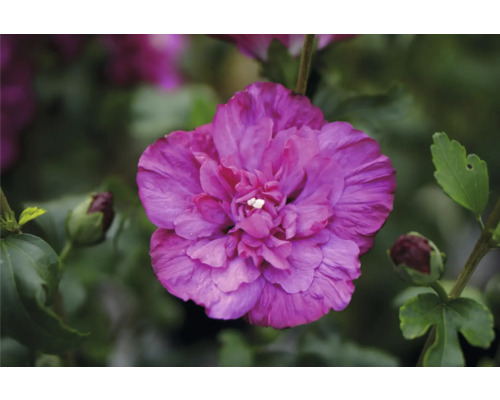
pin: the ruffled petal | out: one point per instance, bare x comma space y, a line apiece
297, 153
260, 101
190, 280
177, 272
292, 280
168, 175
191, 224
256, 225
280, 309
210, 252
238, 271
369, 183
235, 304
340, 258
306, 254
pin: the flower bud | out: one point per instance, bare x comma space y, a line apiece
88, 222
417, 259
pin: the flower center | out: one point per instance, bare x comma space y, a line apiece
256, 203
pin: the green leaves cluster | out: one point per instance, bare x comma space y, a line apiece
464, 178
472, 319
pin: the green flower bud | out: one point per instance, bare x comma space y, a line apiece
417, 259
88, 222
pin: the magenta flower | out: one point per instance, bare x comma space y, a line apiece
264, 212
256, 46
146, 58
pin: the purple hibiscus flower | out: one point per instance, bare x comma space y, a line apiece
264, 212
149, 58
257, 46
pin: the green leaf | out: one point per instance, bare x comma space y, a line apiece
280, 66
463, 178
466, 316
30, 213
235, 351
29, 281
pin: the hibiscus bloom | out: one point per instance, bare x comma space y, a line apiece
264, 212
257, 46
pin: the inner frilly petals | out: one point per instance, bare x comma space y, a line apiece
298, 152
211, 180
256, 225
324, 181
210, 252
238, 271
275, 258
211, 209
272, 158
311, 219
254, 141
289, 221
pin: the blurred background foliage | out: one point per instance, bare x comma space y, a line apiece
87, 134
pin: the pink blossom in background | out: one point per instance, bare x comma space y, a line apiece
257, 46
146, 58
17, 97
69, 45
264, 212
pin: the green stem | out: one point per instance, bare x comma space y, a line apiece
440, 291
481, 248
305, 64
483, 245
64, 254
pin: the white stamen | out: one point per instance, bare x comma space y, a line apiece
256, 203
259, 203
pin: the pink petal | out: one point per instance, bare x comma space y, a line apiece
168, 176
280, 309
292, 280
210, 252
191, 280
179, 274
211, 210
306, 254
340, 258
238, 271
256, 225
297, 153
235, 304
191, 224
260, 101
369, 184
